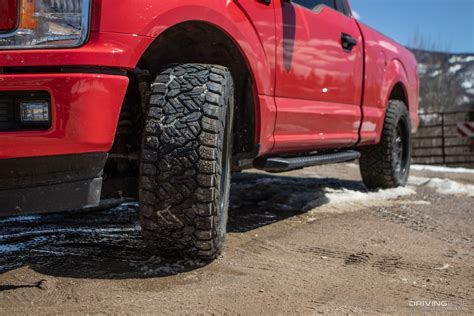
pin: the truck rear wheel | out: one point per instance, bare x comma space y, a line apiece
186, 161
387, 165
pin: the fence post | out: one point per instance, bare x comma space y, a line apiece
443, 143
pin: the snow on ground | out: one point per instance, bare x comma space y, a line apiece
441, 169
446, 186
436, 73
422, 68
454, 69
443, 186
430, 168
345, 195
467, 84
461, 59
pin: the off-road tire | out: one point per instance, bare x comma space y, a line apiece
186, 161
381, 165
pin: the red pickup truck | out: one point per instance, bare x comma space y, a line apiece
162, 100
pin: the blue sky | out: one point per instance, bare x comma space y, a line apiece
448, 23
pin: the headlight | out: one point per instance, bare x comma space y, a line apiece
48, 23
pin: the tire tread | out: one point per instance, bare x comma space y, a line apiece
182, 150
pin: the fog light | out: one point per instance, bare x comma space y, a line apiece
34, 111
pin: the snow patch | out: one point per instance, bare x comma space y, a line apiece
345, 195
441, 169
436, 73
467, 84
422, 69
444, 186
454, 69
461, 59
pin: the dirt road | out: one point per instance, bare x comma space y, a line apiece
306, 242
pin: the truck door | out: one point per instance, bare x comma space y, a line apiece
319, 75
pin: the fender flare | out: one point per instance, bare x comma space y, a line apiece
395, 73
240, 30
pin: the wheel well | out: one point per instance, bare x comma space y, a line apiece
189, 42
398, 93
200, 42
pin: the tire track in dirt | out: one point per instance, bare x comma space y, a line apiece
405, 215
383, 263
437, 283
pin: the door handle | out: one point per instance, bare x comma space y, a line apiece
347, 41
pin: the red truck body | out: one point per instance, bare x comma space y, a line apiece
310, 92
323, 101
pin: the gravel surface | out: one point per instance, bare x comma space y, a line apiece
312, 241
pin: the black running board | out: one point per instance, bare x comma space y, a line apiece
281, 164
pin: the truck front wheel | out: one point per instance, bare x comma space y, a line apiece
186, 161
387, 165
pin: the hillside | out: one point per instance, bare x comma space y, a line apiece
447, 80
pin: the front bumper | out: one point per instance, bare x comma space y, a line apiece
85, 110
52, 170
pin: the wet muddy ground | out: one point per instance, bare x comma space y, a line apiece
312, 241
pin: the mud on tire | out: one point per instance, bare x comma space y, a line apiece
185, 163
387, 165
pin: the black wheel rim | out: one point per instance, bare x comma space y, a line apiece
225, 167
401, 149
